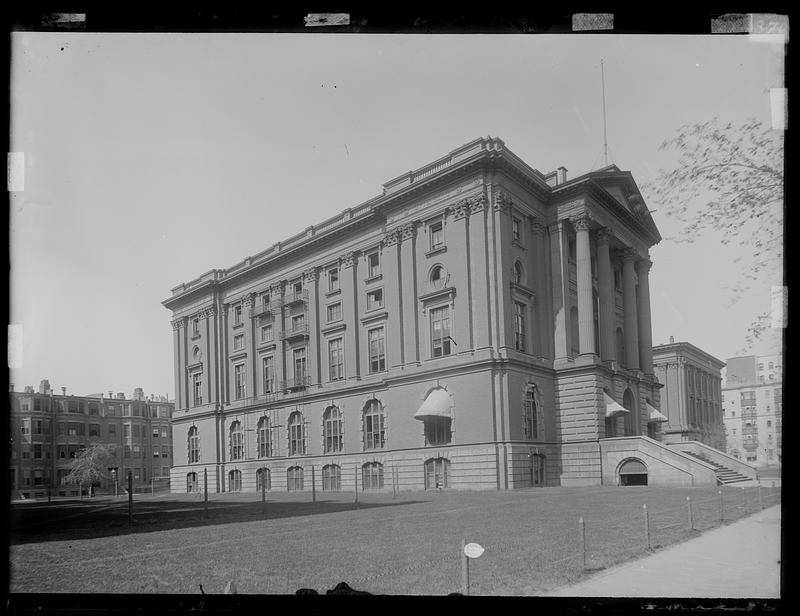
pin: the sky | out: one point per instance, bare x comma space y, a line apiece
150, 159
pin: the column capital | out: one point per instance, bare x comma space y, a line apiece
211, 311
644, 265
537, 226
604, 235
276, 288
629, 255
461, 209
408, 231
348, 259
477, 203
310, 274
176, 324
248, 299
502, 202
391, 237
581, 222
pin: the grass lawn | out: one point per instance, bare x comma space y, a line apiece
384, 545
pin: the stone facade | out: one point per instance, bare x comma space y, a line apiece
481, 310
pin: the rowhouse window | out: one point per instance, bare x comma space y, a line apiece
195, 327
374, 426
440, 331
191, 482
294, 479
235, 481
265, 449
333, 279
437, 471
239, 382
372, 476
375, 299
268, 374
238, 342
437, 235
530, 428
437, 430
298, 322
332, 430
194, 445
335, 312
519, 326
94, 429
335, 359
373, 264
197, 388
297, 437
377, 350
331, 478
237, 441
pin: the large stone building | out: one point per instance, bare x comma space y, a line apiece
691, 397
479, 324
753, 409
48, 430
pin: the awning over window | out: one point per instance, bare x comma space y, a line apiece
654, 414
613, 408
437, 404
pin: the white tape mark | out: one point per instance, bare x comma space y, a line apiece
778, 107
592, 21
327, 19
16, 171
780, 298
15, 345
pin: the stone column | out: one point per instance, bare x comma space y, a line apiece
252, 357
605, 283
584, 267
459, 239
392, 298
279, 358
560, 279
310, 281
179, 364
408, 262
211, 361
225, 363
629, 257
349, 286
540, 311
645, 329
184, 332
479, 284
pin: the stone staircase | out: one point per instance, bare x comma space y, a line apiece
724, 474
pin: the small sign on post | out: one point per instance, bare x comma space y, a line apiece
468, 551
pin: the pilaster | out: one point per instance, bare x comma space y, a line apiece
629, 258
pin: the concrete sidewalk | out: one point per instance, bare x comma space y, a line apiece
739, 560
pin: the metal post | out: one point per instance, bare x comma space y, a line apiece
464, 569
152, 487
205, 491
646, 526
721, 506
130, 497
355, 475
760, 499
80, 490
689, 509
582, 531
313, 485
263, 486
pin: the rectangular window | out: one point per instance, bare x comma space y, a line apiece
155, 431
112, 429
111, 411
263, 301
137, 451
163, 432
268, 374
373, 264
377, 350
297, 286
237, 315
37, 450
165, 451
299, 366
126, 430
440, 331
266, 333
298, 322
94, 429
126, 410
37, 404
197, 388
335, 312
127, 451
437, 235
62, 428
375, 299
336, 359
163, 412
333, 279
136, 431
94, 409
238, 342
516, 230
195, 327
137, 411
239, 382
155, 451
519, 326
37, 426
81, 429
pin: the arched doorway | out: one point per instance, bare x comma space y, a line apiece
191, 482
632, 472
537, 469
631, 418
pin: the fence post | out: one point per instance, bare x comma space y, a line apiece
689, 509
464, 569
80, 490
205, 491
355, 476
760, 499
646, 526
263, 486
721, 506
582, 531
130, 497
313, 485
152, 487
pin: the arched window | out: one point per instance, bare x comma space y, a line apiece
620, 340
263, 479
633, 472
537, 469
519, 273
632, 417
235, 481
191, 482
237, 441
437, 471
297, 436
193, 442
372, 476
374, 426
438, 277
575, 330
294, 479
530, 427
264, 434
331, 478
332, 430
